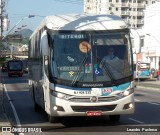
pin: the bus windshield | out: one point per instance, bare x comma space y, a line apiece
144, 66
81, 57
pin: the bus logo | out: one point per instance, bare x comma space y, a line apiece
94, 99
107, 90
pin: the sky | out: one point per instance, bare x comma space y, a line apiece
18, 9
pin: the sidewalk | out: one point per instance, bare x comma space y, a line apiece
3, 117
149, 84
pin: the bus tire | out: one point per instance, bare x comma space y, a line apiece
37, 108
9, 75
114, 118
52, 119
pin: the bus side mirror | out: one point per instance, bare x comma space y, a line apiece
136, 38
44, 44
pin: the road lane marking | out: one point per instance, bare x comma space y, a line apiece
153, 103
14, 109
143, 93
137, 100
140, 122
143, 88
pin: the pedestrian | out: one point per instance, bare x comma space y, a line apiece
159, 74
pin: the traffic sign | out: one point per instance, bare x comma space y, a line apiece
138, 63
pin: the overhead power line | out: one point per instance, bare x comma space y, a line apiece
81, 2
77, 2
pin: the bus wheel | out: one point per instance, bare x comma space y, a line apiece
37, 108
52, 119
9, 75
114, 118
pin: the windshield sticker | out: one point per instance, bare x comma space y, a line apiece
96, 91
71, 36
71, 73
68, 68
97, 70
107, 91
70, 59
84, 47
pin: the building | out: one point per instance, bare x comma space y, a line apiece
130, 10
151, 50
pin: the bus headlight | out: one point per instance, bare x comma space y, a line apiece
128, 92
59, 95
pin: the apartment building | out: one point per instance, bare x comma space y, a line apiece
151, 49
132, 11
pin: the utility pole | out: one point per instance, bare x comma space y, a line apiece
1, 24
2, 4
3, 18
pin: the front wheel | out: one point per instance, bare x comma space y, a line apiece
114, 118
52, 119
9, 75
37, 108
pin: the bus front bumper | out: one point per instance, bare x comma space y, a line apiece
60, 107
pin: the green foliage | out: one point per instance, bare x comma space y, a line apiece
3, 59
25, 41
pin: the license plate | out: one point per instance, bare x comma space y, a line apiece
94, 113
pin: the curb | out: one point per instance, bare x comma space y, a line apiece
4, 121
3, 114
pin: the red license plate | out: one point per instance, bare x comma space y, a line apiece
94, 113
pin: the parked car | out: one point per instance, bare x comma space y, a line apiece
154, 73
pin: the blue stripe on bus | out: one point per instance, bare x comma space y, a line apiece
108, 90
145, 73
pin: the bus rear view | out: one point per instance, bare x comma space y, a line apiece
15, 67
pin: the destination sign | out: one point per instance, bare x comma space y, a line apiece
72, 36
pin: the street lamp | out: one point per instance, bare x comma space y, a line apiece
4, 38
30, 16
153, 37
157, 54
155, 40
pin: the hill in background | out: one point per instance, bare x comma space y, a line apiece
25, 33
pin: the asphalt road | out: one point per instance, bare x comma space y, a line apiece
20, 110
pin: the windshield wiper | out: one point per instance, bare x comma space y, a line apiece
79, 71
106, 68
115, 68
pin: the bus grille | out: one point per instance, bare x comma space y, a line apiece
100, 99
93, 108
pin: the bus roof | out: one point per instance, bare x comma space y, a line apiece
82, 22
